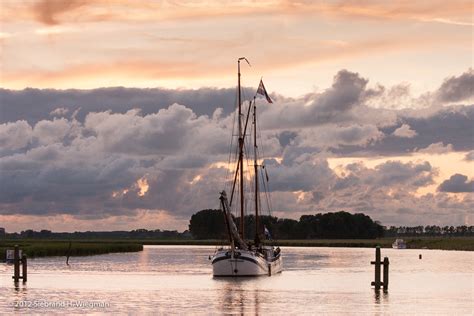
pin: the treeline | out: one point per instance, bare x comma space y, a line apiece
209, 224
134, 234
430, 230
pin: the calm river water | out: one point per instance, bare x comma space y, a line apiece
178, 280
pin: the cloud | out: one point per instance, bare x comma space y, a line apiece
386, 192
49, 132
331, 106
437, 148
53, 12
447, 125
455, 89
59, 112
16, 105
130, 151
457, 183
304, 173
392, 174
469, 156
47, 11
15, 135
404, 131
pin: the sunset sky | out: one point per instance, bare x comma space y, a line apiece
118, 114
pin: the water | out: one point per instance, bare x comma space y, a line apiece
178, 280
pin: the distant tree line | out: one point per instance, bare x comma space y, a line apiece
430, 230
209, 224
134, 234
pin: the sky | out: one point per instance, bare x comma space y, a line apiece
117, 115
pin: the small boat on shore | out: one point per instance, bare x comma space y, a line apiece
399, 244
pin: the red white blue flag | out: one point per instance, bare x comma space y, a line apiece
262, 91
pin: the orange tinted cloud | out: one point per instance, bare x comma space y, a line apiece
47, 10
52, 12
80, 75
123, 71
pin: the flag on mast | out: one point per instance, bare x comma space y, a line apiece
262, 91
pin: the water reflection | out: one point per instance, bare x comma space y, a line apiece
19, 287
239, 295
179, 280
381, 296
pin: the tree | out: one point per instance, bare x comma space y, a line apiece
208, 224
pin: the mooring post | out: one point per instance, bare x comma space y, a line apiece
385, 273
16, 264
377, 263
24, 265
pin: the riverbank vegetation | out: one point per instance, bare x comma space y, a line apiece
47, 248
44, 248
441, 243
206, 227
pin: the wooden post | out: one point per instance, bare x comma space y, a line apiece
24, 265
385, 273
69, 251
16, 263
377, 263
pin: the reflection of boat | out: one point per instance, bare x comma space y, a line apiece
243, 258
399, 244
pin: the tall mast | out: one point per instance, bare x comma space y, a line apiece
241, 154
255, 161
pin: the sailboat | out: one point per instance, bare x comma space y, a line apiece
241, 257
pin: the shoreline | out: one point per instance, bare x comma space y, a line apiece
433, 243
49, 247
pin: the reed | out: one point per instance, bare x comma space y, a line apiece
47, 248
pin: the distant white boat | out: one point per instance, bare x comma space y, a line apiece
240, 257
399, 244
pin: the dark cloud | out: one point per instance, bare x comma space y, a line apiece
286, 137
449, 125
456, 89
34, 105
456, 184
302, 174
388, 174
345, 93
331, 106
89, 152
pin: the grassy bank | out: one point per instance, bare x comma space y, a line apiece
44, 248
47, 248
443, 243
452, 243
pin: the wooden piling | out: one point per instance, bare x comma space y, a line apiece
16, 264
377, 263
24, 265
385, 273
69, 253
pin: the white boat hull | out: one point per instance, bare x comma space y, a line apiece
399, 244
244, 263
